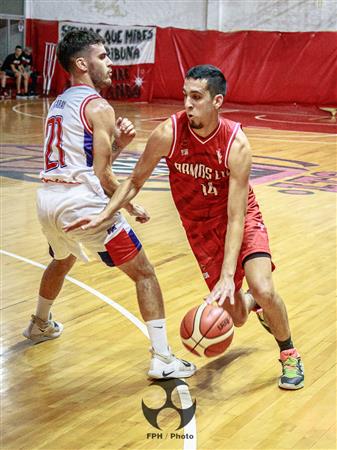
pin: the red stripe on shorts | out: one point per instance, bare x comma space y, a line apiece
123, 247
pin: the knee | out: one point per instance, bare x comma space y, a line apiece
61, 267
263, 292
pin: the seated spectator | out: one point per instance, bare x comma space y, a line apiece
28, 72
12, 67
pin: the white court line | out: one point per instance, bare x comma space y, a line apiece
294, 134
184, 394
296, 141
262, 118
14, 108
92, 291
285, 113
149, 119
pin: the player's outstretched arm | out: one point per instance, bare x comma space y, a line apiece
239, 164
158, 146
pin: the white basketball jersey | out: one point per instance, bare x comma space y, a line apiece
68, 145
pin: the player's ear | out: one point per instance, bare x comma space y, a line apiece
218, 101
81, 63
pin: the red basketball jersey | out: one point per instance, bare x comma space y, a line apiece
199, 174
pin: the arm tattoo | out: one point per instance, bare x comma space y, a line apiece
115, 148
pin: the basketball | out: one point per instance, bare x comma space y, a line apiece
207, 330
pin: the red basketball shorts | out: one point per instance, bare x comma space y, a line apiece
208, 245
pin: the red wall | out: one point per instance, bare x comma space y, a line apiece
261, 67
37, 33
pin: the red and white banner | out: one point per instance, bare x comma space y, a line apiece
126, 45
131, 83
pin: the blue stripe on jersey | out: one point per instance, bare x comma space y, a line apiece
135, 240
88, 144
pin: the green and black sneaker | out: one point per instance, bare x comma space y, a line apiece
292, 370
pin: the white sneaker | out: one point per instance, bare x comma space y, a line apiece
168, 366
38, 330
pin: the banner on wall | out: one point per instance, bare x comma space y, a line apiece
126, 45
131, 83
132, 51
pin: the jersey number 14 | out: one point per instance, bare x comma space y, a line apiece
209, 189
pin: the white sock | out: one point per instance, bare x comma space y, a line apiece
158, 336
43, 308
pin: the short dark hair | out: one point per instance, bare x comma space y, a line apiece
18, 46
216, 81
74, 42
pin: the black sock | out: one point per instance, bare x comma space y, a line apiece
285, 345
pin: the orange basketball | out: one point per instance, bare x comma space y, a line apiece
207, 330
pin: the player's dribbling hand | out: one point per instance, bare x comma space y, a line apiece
222, 290
139, 212
125, 132
85, 223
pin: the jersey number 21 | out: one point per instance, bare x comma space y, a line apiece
54, 144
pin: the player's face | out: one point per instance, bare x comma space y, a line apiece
99, 66
200, 107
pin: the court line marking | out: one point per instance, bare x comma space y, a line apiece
263, 118
14, 108
92, 291
260, 116
184, 393
298, 113
291, 140
250, 137
292, 134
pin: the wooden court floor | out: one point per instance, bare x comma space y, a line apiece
85, 389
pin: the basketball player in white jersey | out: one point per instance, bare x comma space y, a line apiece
82, 139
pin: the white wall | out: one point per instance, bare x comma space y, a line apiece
164, 13
223, 15
272, 15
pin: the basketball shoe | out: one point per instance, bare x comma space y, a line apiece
168, 366
292, 370
38, 330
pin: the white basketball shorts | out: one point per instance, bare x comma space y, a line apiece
114, 242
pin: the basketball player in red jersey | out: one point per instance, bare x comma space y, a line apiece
209, 159
82, 140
